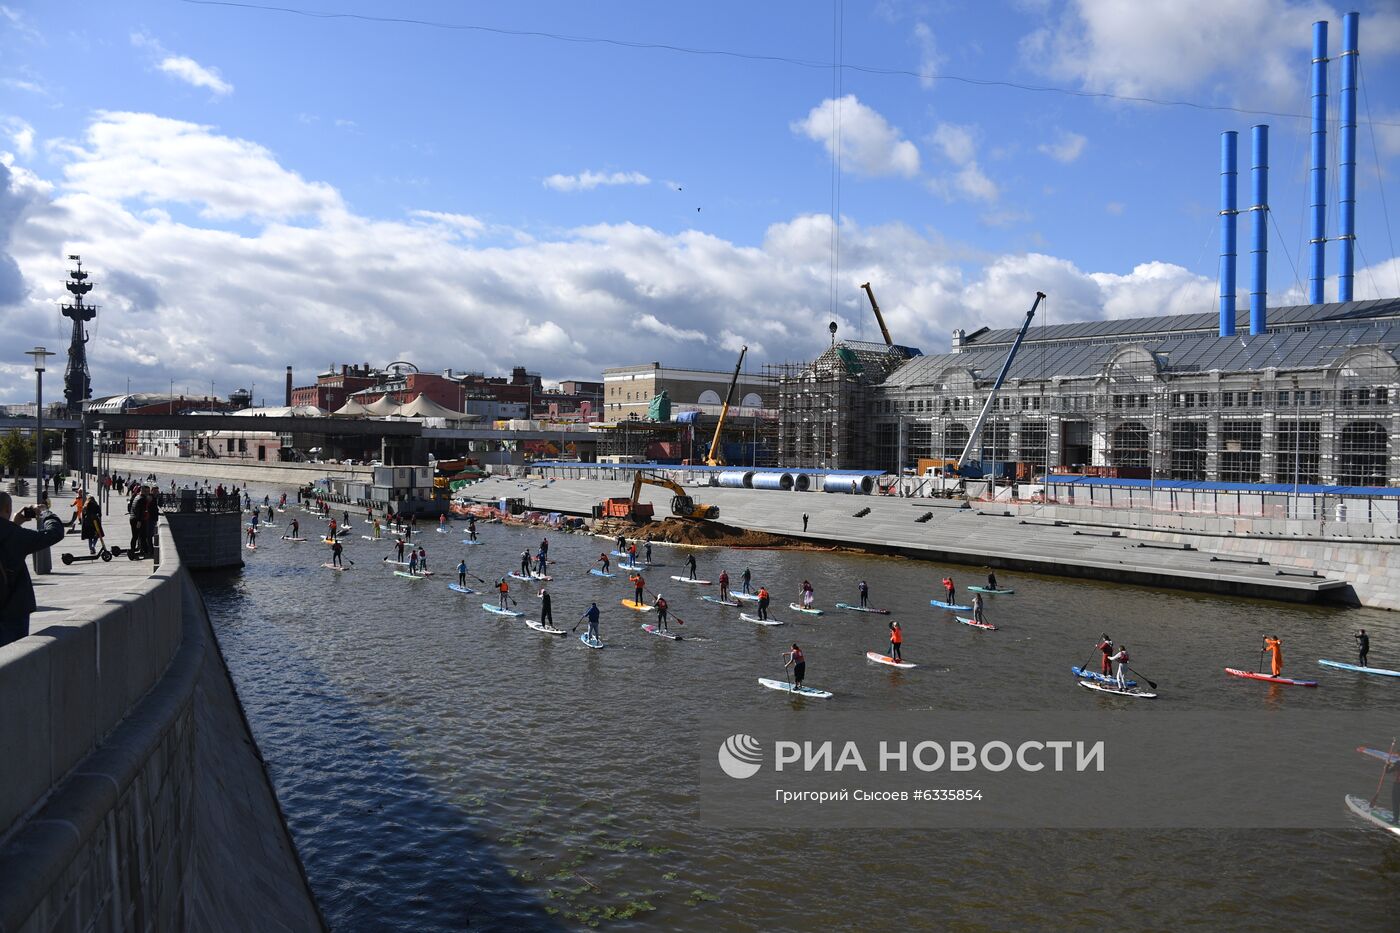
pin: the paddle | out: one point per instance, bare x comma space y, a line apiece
1260, 668
578, 623
1084, 666
679, 620
1385, 767
1151, 685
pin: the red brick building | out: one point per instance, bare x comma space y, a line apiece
332, 388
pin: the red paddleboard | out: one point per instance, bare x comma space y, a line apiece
1271, 678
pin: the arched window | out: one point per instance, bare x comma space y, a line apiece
710, 397
752, 400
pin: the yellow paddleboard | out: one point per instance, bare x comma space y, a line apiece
640, 607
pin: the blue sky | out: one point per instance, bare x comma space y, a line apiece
254, 189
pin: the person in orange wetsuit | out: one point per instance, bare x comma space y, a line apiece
1274, 645
639, 585
896, 641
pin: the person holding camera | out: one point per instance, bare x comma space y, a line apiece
16, 543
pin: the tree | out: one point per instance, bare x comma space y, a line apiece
16, 452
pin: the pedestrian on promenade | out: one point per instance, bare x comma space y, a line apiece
92, 524
16, 543
804, 523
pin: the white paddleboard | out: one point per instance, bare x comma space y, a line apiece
460, 588
335, 568
546, 629
1113, 689
811, 612
690, 580
653, 630
757, 621
746, 597
591, 642
499, 611
1376, 816
789, 688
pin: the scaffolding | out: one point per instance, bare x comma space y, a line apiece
824, 408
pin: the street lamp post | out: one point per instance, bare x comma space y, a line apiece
103, 487
43, 560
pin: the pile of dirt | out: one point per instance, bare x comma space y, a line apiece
711, 534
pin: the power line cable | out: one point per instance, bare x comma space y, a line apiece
757, 57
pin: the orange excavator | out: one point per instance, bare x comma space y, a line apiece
682, 505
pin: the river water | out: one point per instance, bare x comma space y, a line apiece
443, 767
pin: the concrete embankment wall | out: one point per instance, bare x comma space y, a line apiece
238, 471
106, 770
1365, 554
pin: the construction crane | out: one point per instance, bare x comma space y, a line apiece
879, 318
715, 458
973, 468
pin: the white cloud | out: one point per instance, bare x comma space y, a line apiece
463, 225
959, 146
929, 59
21, 135
193, 73
184, 296
1254, 50
1066, 148
588, 180
1115, 208
182, 67
159, 160
868, 144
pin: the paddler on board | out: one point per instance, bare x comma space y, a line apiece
977, 609
896, 641
592, 616
462, 573
724, 586
1274, 645
949, 590
796, 660
1105, 648
1122, 658
603, 562
503, 588
639, 587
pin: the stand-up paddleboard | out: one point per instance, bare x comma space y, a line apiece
517, 575
370, 538
719, 602
1343, 666
546, 629
789, 688
459, 588
942, 605
1252, 675
591, 642
601, 573
1376, 816
886, 659
1389, 758
988, 590
540, 576
281, 510
757, 621
411, 576
691, 580
653, 630
639, 607
335, 568
811, 612
1113, 688
620, 554
883, 612
469, 541
746, 597
328, 540
1087, 674
634, 567
396, 563
440, 530
294, 540
499, 611
251, 547
975, 624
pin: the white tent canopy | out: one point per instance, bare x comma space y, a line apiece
424, 407
383, 407
351, 409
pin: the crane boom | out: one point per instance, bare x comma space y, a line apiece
879, 318
976, 434
713, 458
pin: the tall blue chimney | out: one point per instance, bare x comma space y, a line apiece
1229, 145
1317, 237
1346, 206
1259, 245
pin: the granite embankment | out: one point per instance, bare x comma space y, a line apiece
132, 796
